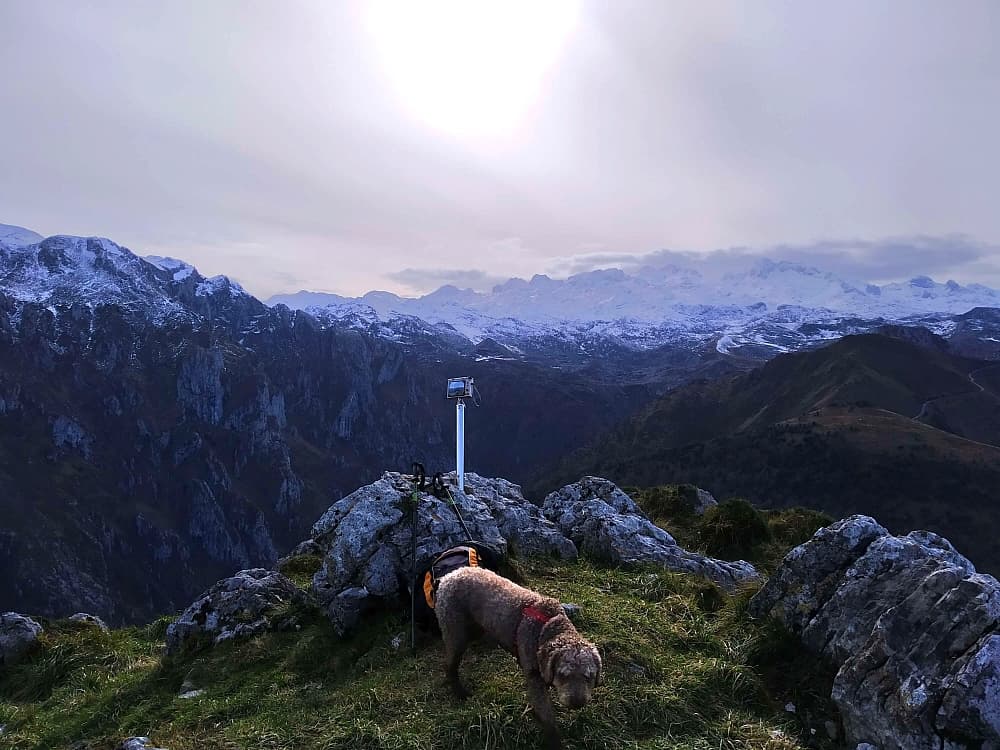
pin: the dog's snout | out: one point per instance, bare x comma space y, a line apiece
574, 698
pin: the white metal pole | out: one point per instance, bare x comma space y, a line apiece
460, 443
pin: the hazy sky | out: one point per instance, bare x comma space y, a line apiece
343, 146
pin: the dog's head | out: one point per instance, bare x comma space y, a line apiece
573, 668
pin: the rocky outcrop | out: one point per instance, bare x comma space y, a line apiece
92, 621
17, 635
608, 526
67, 434
368, 542
702, 501
248, 603
527, 531
914, 630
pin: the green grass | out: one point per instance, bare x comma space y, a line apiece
732, 530
685, 668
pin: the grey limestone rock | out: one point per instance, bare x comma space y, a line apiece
243, 605
607, 525
911, 626
18, 634
704, 501
573, 611
83, 618
527, 531
367, 539
138, 743
810, 573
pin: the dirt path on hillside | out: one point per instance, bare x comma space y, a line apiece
972, 379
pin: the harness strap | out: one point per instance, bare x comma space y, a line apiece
531, 613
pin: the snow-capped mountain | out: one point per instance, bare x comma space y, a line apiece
755, 309
768, 305
16, 236
65, 270
663, 294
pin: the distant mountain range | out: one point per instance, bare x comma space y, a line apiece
763, 309
753, 312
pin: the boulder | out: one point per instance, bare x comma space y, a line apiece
527, 531
82, 618
367, 538
137, 743
248, 603
911, 626
703, 500
607, 525
17, 635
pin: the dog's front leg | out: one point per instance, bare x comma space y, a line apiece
538, 694
455, 643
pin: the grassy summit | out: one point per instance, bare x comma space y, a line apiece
685, 668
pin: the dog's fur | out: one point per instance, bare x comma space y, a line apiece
550, 655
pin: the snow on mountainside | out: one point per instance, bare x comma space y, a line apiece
93, 270
755, 309
658, 295
764, 308
178, 268
16, 236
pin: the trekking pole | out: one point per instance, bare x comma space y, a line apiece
439, 483
419, 477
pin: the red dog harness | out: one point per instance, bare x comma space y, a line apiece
532, 613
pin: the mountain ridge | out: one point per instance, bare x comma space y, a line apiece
869, 424
764, 309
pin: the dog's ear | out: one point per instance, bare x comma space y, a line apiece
547, 659
600, 667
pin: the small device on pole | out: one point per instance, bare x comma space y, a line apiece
460, 389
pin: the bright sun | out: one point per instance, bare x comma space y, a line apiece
469, 67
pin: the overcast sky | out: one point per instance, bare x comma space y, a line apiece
345, 146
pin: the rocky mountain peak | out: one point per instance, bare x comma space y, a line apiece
64, 270
14, 236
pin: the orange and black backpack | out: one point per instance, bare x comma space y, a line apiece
448, 561
471, 554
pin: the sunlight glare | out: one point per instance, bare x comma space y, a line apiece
469, 67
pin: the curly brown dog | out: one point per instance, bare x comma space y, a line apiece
534, 628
